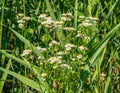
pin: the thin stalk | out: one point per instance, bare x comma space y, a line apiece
1, 28
4, 76
89, 7
76, 13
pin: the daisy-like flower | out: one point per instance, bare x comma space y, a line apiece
42, 16
64, 19
69, 29
20, 15
79, 56
60, 53
53, 60
85, 24
69, 46
41, 57
26, 18
66, 66
43, 75
53, 43
69, 15
20, 25
81, 17
79, 35
83, 48
73, 59
93, 18
26, 52
41, 49
20, 21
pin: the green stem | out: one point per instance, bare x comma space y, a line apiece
76, 13
1, 24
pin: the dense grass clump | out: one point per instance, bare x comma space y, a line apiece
59, 46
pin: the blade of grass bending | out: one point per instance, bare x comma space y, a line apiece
24, 63
23, 79
103, 43
99, 64
111, 10
97, 50
50, 10
25, 41
4, 76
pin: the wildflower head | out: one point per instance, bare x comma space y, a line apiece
26, 52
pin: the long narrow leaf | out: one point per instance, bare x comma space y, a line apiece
24, 63
4, 76
23, 79
97, 50
31, 46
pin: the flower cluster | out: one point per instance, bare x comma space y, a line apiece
21, 19
48, 22
87, 21
69, 46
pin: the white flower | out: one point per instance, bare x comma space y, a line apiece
20, 14
41, 57
21, 21
26, 52
26, 18
69, 45
41, 49
93, 18
85, 24
43, 75
42, 16
79, 56
64, 19
81, 17
53, 60
60, 53
69, 28
20, 25
82, 47
66, 66
79, 35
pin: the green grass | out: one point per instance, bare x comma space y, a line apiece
59, 46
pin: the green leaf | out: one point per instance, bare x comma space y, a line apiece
24, 63
31, 46
23, 79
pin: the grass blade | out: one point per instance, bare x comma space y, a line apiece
25, 41
23, 79
98, 49
24, 63
4, 76
50, 10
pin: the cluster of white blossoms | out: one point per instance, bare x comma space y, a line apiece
21, 19
26, 52
87, 21
52, 43
58, 58
69, 46
55, 60
47, 21
41, 49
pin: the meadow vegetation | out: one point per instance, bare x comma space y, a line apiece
59, 46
